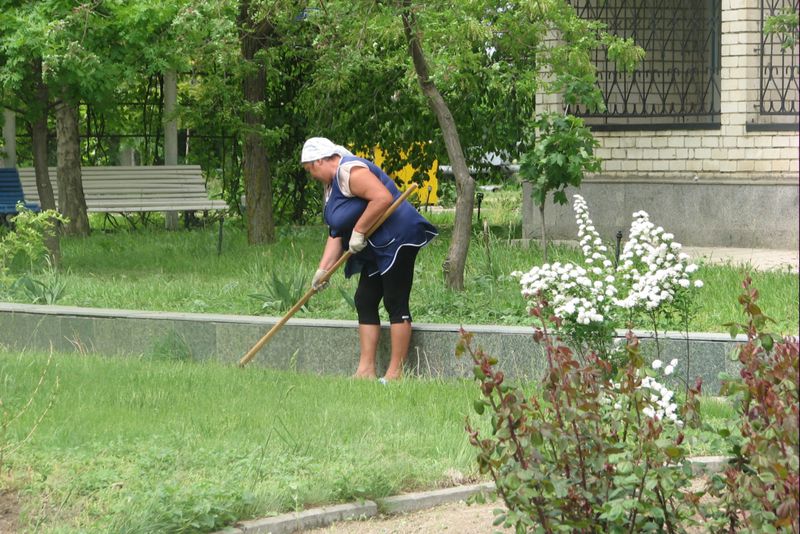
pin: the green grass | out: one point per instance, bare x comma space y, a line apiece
153, 269
149, 444
139, 445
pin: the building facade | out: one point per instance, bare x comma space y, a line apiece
704, 135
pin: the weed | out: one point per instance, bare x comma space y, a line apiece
283, 291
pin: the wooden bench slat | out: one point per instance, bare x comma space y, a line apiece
140, 189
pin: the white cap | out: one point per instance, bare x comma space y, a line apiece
320, 147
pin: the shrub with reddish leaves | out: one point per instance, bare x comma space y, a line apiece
758, 492
588, 452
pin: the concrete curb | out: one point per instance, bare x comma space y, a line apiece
305, 520
324, 516
304, 345
399, 504
402, 504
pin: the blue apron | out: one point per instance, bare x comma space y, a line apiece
404, 228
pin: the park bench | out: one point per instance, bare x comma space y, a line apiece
140, 189
11, 192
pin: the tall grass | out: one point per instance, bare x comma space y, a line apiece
153, 269
180, 271
139, 445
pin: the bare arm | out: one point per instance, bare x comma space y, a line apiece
366, 185
331, 253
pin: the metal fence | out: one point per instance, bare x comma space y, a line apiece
677, 84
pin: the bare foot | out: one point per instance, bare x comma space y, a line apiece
365, 375
391, 376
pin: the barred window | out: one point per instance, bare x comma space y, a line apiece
778, 73
677, 83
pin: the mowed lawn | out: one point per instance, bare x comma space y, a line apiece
150, 444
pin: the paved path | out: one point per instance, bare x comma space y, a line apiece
761, 259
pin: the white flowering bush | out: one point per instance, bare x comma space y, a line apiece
661, 401
652, 267
590, 301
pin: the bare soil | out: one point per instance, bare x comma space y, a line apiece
456, 518
9, 511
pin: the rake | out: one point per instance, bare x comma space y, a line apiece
310, 293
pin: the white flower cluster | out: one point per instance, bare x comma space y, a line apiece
651, 272
568, 289
652, 266
660, 403
583, 295
592, 246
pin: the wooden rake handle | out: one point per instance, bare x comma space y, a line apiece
341, 261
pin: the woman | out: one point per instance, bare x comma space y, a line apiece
357, 193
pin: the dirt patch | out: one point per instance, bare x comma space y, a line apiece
457, 517
9, 511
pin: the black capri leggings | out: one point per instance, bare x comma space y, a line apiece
394, 288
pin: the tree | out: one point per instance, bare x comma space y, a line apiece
256, 30
563, 153
478, 67
456, 259
24, 91
251, 62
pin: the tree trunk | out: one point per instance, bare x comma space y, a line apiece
456, 260
255, 166
71, 201
39, 147
544, 233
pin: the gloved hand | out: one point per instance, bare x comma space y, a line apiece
358, 242
316, 281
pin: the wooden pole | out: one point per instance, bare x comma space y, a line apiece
305, 298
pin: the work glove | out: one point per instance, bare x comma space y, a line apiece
316, 282
358, 242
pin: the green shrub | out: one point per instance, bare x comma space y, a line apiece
758, 492
23, 249
595, 451
283, 291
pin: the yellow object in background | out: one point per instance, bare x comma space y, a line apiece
427, 192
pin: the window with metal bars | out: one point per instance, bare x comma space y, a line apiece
778, 73
676, 86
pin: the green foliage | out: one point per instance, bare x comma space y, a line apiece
584, 455
487, 60
23, 248
759, 491
564, 151
176, 508
283, 290
786, 26
46, 288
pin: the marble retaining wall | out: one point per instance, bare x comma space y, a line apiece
314, 346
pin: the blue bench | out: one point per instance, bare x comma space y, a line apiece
11, 193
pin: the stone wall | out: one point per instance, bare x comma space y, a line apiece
312, 346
